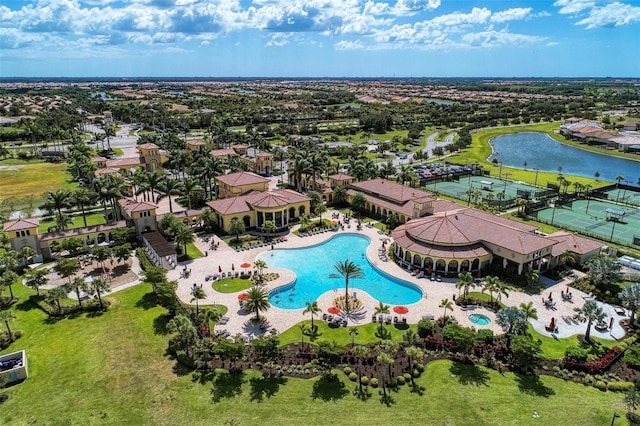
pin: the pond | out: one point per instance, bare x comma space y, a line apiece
542, 152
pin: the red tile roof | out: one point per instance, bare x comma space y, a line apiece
148, 145
222, 152
246, 203
130, 205
131, 161
383, 188
574, 243
77, 232
17, 225
241, 179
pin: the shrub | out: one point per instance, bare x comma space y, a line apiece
419, 367
621, 386
425, 327
576, 353
588, 380
17, 334
365, 381
353, 377
407, 376
633, 418
400, 380
600, 385
416, 373
374, 382
556, 369
484, 336
347, 370
632, 356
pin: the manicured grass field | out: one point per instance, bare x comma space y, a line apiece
21, 179
113, 369
232, 285
193, 252
77, 222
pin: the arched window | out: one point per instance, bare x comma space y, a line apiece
417, 260
292, 212
247, 221
440, 265
301, 210
407, 256
101, 238
464, 266
453, 266
428, 263
475, 265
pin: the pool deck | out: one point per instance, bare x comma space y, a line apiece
433, 291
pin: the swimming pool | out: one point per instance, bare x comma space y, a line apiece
479, 319
314, 264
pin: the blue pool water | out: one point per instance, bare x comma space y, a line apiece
479, 319
314, 264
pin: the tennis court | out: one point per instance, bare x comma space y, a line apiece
489, 188
600, 219
625, 196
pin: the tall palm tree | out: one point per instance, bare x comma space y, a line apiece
83, 198
66, 268
630, 298
567, 258
166, 188
447, 305
491, 284
190, 188
313, 309
79, 285
589, 312
257, 301
154, 275
7, 279
361, 352
358, 201
58, 200
413, 352
385, 360
501, 290
236, 227
339, 194
183, 237
198, 294
347, 270
353, 332
466, 282
381, 309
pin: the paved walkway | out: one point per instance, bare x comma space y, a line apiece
227, 258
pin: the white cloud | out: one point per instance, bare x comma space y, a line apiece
516, 14
494, 38
612, 15
411, 7
349, 45
278, 40
571, 7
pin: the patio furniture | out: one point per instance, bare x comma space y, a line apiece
620, 311
374, 318
395, 319
601, 326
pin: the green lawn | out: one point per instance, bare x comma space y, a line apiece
113, 369
232, 285
19, 179
77, 222
193, 252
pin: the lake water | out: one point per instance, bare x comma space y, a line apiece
541, 151
314, 264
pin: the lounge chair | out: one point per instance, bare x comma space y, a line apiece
388, 320
374, 318
420, 274
395, 320
620, 311
324, 317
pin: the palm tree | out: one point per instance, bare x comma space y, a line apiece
236, 227
589, 313
190, 188
491, 284
7, 279
339, 194
54, 295
413, 352
511, 318
466, 282
79, 285
532, 277
198, 294
6, 317
313, 309
630, 298
358, 201
500, 196
604, 271
36, 278
268, 227
347, 270
168, 187
83, 198
381, 309
384, 359
98, 286
447, 305
361, 352
257, 301
353, 332
619, 178
529, 310
207, 217
184, 236
261, 265
501, 290
567, 258
58, 200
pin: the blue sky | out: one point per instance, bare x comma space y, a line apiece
320, 38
